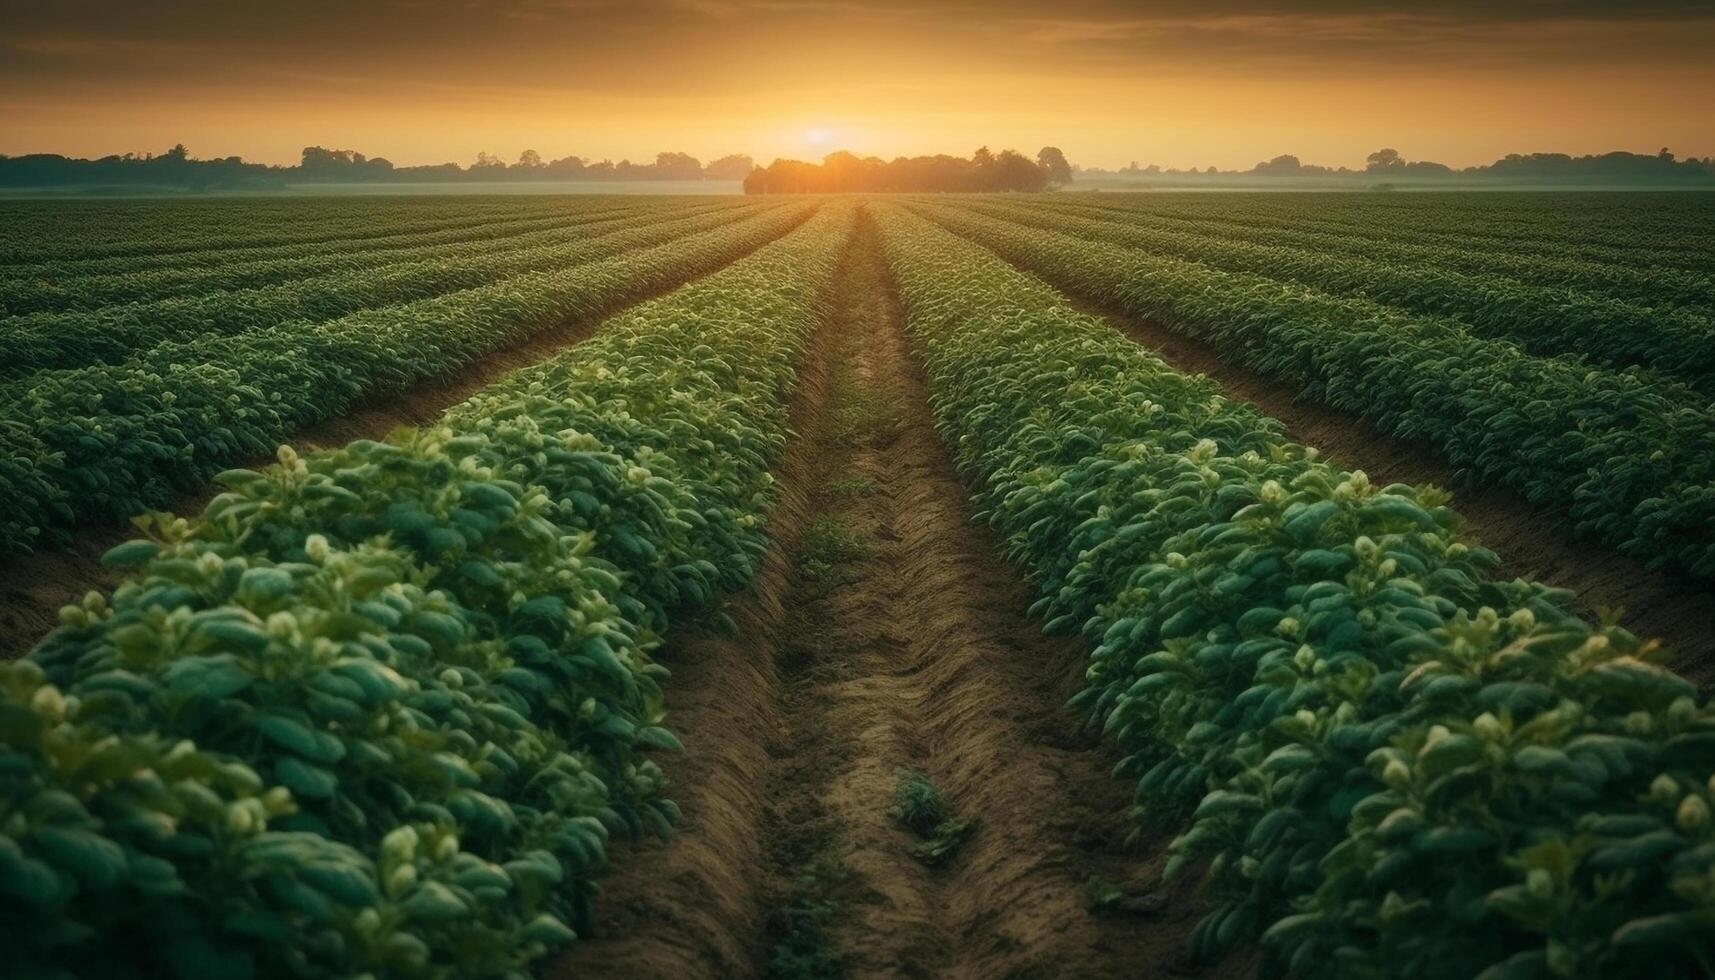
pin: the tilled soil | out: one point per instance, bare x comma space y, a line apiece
34, 587
1532, 543
883, 634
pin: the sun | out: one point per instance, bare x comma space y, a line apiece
819, 136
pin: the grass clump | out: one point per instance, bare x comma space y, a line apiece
922, 808
802, 943
826, 554
851, 487
919, 804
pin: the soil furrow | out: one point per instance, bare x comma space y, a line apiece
33, 588
1532, 543
884, 634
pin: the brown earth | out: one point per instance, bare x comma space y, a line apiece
883, 633
34, 587
1531, 542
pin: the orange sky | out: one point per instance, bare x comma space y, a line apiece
1223, 82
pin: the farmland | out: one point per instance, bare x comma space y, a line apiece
1095, 585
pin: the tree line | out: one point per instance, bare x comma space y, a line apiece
1616, 167
320, 164
176, 168
984, 171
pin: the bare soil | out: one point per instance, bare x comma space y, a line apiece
33, 588
884, 633
1531, 542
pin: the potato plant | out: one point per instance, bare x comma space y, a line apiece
69, 339
1642, 276
1624, 458
104, 441
378, 710
1543, 320
1388, 763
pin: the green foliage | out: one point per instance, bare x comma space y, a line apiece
918, 803
1623, 457
828, 552
921, 807
200, 305
851, 486
1392, 764
1542, 319
380, 708
801, 944
104, 441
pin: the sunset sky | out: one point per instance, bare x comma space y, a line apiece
1173, 82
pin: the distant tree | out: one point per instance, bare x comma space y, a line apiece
569, 168
1050, 159
1015, 172
675, 166
529, 160
845, 172
1382, 161
178, 152
488, 161
983, 157
1284, 165
736, 166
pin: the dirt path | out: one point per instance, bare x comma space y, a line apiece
884, 634
34, 587
1532, 544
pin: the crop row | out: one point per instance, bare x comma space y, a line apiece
1643, 283
63, 292
182, 231
1541, 319
54, 340
1626, 229
377, 712
1625, 459
1393, 765
105, 441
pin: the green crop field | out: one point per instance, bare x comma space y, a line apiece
1068, 584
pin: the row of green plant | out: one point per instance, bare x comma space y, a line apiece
1624, 459
377, 712
1387, 762
1635, 280
1639, 230
105, 441
36, 342
1544, 320
62, 292
81, 236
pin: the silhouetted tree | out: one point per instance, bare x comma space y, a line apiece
675, 166
736, 166
1383, 160
1051, 160
847, 172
